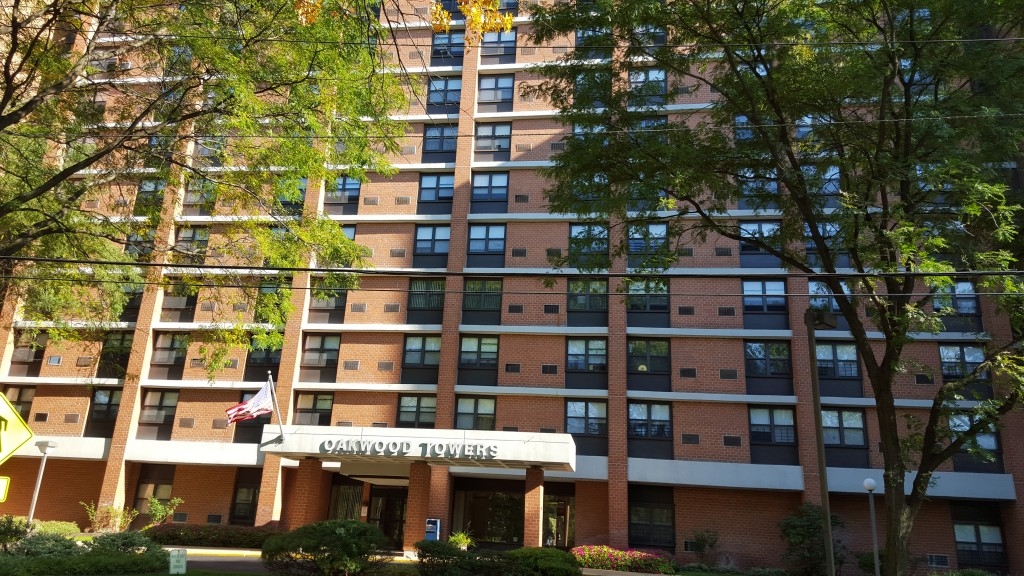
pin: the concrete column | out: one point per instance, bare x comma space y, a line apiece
416, 506
533, 503
309, 496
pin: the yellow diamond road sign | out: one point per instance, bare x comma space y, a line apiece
14, 433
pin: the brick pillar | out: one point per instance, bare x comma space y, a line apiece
416, 506
440, 505
364, 503
271, 504
533, 504
618, 463
310, 495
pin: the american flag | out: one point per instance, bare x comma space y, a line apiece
260, 404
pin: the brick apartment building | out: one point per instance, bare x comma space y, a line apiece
457, 384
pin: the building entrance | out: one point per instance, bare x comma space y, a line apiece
387, 512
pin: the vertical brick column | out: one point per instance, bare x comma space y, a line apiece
439, 505
364, 502
309, 496
618, 462
416, 506
270, 504
533, 504
114, 488
804, 410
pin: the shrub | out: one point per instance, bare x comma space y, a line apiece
767, 572
608, 558
544, 562
124, 543
330, 548
12, 530
109, 518
705, 546
90, 563
219, 535
60, 527
48, 546
805, 548
440, 558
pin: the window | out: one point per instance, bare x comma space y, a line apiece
344, 191
961, 361
804, 127
416, 411
117, 347
821, 296
440, 138
586, 355
587, 295
588, 239
647, 295
487, 239
21, 398
822, 180
651, 525
650, 420
490, 186
437, 187
647, 355
474, 413
199, 198
320, 350
158, 407
448, 45
493, 137
314, 409
979, 544
647, 239
647, 87
482, 294
743, 130
103, 412
769, 425
422, 351
593, 43
210, 151
140, 245
959, 423
254, 425
958, 298
444, 92
767, 359
836, 360
586, 417
498, 47
591, 89
170, 348
764, 296
426, 294
432, 239
149, 197
757, 183
479, 352
843, 428
496, 89
190, 244
762, 231
349, 230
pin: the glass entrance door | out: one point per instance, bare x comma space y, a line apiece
387, 512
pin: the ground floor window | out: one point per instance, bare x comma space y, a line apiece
652, 517
559, 520
346, 498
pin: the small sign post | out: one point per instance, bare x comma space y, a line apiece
178, 560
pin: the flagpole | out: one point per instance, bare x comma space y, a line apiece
277, 408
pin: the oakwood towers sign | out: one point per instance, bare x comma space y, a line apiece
481, 448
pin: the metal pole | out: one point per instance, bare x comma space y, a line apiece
810, 320
35, 491
874, 531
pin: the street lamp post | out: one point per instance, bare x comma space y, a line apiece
813, 318
870, 485
44, 446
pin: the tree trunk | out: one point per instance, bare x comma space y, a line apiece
899, 525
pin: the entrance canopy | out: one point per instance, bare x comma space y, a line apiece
482, 448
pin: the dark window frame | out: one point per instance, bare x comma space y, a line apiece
440, 138
497, 93
836, 366
767, 363
592, 357
486, 244
772, 433
842, 430
442, 190
423, 415
482, 355
433, 244
428, 357
648, 427
482, 294
769, 297
587, 423
492, 137
647, 363
491, 191
588, 300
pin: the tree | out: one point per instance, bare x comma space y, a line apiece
224, 106
873, 134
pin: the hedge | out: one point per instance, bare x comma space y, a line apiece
216, 535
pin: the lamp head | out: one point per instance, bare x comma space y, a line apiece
46, 445
870, 484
